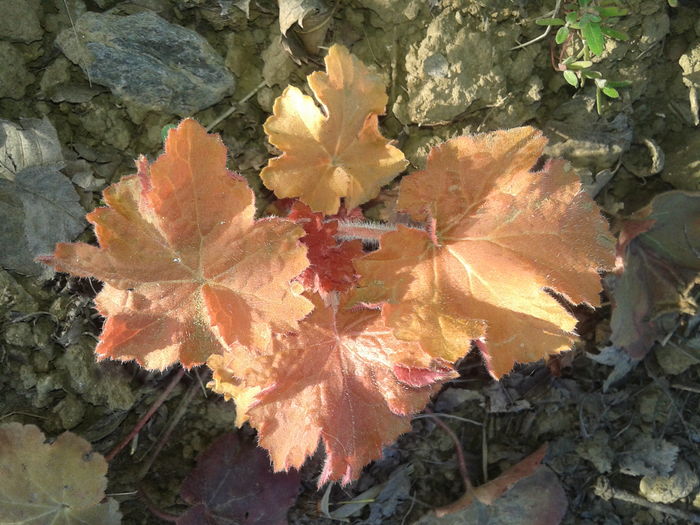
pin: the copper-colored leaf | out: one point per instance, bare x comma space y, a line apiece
337, 152
528, 493
185, 265
63, 482
233, 483
494, 489
497, 238
331, 267
334, 381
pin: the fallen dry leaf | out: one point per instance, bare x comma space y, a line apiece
187, 269
658, 262
497, 238
63, 482
233, 483
337, 152
494, 489
334, 381
526, 494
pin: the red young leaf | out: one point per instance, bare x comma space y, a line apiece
233, 483
334, 381
497, 238
186, 267
331, 266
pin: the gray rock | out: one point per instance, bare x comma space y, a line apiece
682, 161
14, 298
690, 64
14, 76
147, 61
577, 134
20, 20
669, 489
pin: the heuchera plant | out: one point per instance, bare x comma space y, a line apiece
313, 338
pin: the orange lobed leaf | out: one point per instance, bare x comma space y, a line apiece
187, 269
226, 369
334, 381
331, 267
498, 237
337, 152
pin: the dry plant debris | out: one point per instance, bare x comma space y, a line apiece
62, 483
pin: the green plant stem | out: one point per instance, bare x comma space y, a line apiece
553, 13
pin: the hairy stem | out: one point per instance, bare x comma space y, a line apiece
368, 231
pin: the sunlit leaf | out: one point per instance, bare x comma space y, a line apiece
497, 237
335, 151
187, 269
333, 381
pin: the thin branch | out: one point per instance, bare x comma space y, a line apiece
233, 107
147, 416
605, 490
172, 425
546, 31
468, 487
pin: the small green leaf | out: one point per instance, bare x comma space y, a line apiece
571, 17
594, 38
673, 3
165, 130
550, 22
571, 78
591, 74
611, 92
614, 33
589, 18
579, 65
562, 35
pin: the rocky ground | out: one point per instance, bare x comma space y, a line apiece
83, 73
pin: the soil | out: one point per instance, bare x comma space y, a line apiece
451, 69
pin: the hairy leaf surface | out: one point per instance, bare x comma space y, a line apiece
187, 269
497, 238
334, 381
337, 152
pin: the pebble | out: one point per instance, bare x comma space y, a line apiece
145, 60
